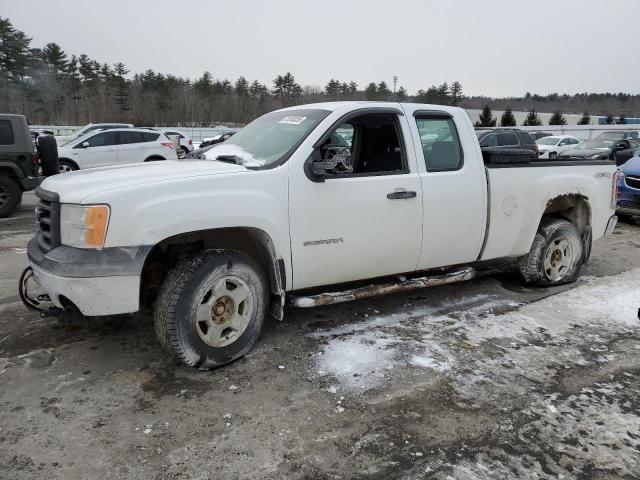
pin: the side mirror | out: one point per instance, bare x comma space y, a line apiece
85, 144
620, 146
337, 161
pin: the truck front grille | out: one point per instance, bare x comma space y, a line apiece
47, 220
632, 182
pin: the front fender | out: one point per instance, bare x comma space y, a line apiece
149, 213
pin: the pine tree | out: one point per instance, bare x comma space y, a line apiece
15, 55
557, 119
332, 88
383, 91
371, 91
486, 118
55, 58
532, 119
286, 88
455, 93
122, 96
585, 119
241, 87
507, 119
401, 94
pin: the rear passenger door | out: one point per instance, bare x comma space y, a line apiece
453, 185
508, 140
134, 146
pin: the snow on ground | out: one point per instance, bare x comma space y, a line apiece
361, 355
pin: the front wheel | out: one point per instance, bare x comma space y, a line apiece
556, 255
553, 155
211, 308
64, 166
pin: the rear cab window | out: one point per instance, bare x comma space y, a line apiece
440, 143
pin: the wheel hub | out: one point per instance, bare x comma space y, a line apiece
224, 311
559, 258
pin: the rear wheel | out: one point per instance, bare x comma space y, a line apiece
211, 307
10, 196
65, 166
553, 155
556, 255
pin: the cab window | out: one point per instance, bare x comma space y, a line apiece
440, 144
369, 144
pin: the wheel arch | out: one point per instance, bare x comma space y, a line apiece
575, 208
153, 158
68, 160
251, 241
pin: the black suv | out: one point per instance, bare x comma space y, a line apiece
506, 138
22, 159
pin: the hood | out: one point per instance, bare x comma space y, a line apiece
631, 166
574, 152
74, 186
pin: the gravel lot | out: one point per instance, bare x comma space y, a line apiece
480, 380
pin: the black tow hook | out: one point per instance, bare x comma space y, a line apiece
36, 304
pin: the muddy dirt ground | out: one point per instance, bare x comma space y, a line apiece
480, 380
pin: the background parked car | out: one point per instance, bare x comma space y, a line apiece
115, 146
615, 145
629, 188
549, 147
186, 142
539, 135
62, 140
506, 138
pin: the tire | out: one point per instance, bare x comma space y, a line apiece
556, 255
154, 159
553, 155
10, 196
48, 153
197, 316
184, 149
65, 166
623, 217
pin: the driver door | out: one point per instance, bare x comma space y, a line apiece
365, 220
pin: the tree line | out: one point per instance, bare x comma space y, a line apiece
50, 86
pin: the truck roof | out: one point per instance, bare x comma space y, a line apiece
332, 106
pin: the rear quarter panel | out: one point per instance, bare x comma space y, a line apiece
519, 196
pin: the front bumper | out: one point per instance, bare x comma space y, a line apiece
98, 282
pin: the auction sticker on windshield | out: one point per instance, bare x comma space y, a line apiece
293, 120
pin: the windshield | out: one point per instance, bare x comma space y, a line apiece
270, 138
604, 141
596, 143
547, 141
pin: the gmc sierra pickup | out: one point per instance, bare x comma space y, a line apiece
300, 205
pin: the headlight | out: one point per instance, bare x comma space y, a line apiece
84, 226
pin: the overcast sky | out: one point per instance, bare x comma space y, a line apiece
493, 47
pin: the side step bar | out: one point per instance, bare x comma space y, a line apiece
402, 285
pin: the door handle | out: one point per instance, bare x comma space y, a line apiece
401, 194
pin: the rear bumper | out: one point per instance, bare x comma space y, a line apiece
98, 282
30, 183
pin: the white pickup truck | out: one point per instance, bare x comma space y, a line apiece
300, 204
